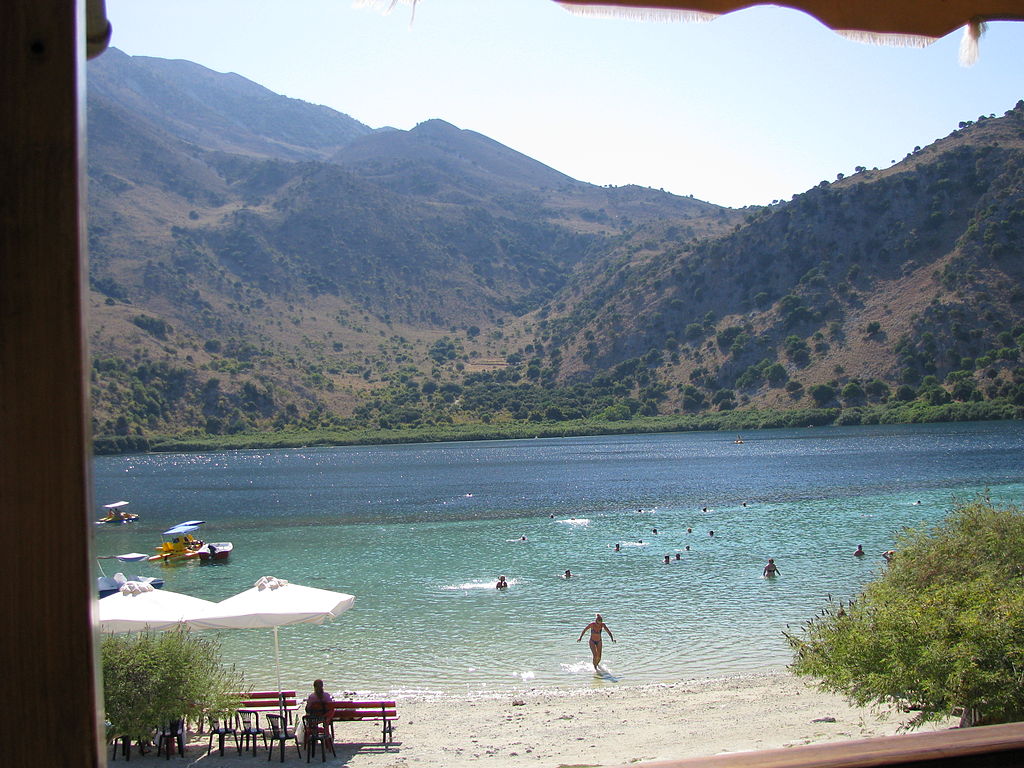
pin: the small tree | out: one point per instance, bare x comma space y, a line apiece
853, 394
942, 629
152, 678
823, 394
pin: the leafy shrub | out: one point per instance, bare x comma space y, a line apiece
823, 394
152, 325
151, 678
926, 635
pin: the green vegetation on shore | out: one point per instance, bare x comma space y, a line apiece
152, 678
734, 420
940, 632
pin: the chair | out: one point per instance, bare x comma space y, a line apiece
280, 732
169, 736
125, 743
317, 731
221, 729
248, 725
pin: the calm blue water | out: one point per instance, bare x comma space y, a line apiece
420, 533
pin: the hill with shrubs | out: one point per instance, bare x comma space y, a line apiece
260, 265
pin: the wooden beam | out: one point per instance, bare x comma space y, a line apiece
984, 747
47, 647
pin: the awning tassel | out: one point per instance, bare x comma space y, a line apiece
387, 6
969, 47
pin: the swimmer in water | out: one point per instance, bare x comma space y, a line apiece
654, 530
618, 547
567, 574
771, 569
711, 533
689, 530
859, 552
596, 627
667, 560
677, 555
502, 584
522, 538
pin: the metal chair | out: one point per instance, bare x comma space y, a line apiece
221, 729
248, 727
317, 731
280, 732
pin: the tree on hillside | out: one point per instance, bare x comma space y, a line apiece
941, 630
823, 394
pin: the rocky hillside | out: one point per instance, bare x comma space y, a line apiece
258, 262
242, 242
886, 277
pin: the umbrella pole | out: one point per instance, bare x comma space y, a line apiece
277, 664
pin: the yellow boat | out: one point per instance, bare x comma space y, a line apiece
180, 544
116, 513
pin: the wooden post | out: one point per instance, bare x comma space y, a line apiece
47, 646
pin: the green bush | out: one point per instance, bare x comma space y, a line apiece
942, 630
152, 678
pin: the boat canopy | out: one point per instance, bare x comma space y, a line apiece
116, 505
180, 528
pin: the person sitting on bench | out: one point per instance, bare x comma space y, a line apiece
319, 703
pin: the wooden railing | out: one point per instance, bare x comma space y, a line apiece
982, 747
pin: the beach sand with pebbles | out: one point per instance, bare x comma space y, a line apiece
607, 725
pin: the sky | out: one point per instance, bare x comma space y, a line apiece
752, 107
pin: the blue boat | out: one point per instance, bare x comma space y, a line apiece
108, 585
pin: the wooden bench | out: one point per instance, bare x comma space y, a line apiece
361, 711
269, 702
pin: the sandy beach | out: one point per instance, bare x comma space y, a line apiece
605, 726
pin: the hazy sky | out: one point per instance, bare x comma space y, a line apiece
754, 106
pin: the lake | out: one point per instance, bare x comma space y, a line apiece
420, 533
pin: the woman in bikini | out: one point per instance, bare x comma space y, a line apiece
595, 627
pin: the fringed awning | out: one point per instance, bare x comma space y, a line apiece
889, 22
914, 18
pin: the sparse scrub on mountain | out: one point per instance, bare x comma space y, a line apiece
307, 273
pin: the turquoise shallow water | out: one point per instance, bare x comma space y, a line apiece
420, 533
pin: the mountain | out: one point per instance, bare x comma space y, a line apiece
886, 277
257, 262
216, 111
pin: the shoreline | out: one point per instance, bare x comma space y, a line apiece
582, 689
729, 421
615, 725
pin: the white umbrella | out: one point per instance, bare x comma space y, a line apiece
275, 603
138, 607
